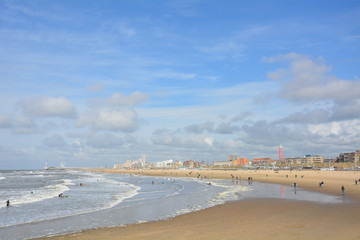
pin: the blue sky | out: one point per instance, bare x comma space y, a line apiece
93, 83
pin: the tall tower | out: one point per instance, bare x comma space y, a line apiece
280, 153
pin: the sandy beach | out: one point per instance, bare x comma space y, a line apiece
253, 218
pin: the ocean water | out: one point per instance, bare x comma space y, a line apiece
93, 200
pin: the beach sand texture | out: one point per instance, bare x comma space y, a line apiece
253, 218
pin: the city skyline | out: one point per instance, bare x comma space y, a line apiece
92, 83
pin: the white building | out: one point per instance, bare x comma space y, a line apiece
140, 163
222, 164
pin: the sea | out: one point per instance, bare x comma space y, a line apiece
54, 202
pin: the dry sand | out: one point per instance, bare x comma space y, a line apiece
255, 218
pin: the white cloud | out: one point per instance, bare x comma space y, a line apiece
179, 141
125, 120
209, 141
333, 128
48, 107
307, 79
19, 124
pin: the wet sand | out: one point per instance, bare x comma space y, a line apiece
254, 218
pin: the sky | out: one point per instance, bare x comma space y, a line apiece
92, 83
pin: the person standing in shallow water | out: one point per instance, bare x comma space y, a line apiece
8, 203
343, 189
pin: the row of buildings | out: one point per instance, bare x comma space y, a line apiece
346, 157
307, 160
171, 164
236, 161
349, 157
233, 160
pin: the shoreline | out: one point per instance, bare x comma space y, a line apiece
256, 218
306, 179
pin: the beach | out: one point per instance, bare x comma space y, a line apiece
256, 218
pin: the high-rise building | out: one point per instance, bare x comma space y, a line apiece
280, 152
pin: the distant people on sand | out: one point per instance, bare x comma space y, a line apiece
343, 189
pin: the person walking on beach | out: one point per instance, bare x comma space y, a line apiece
8, 203
343, 189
